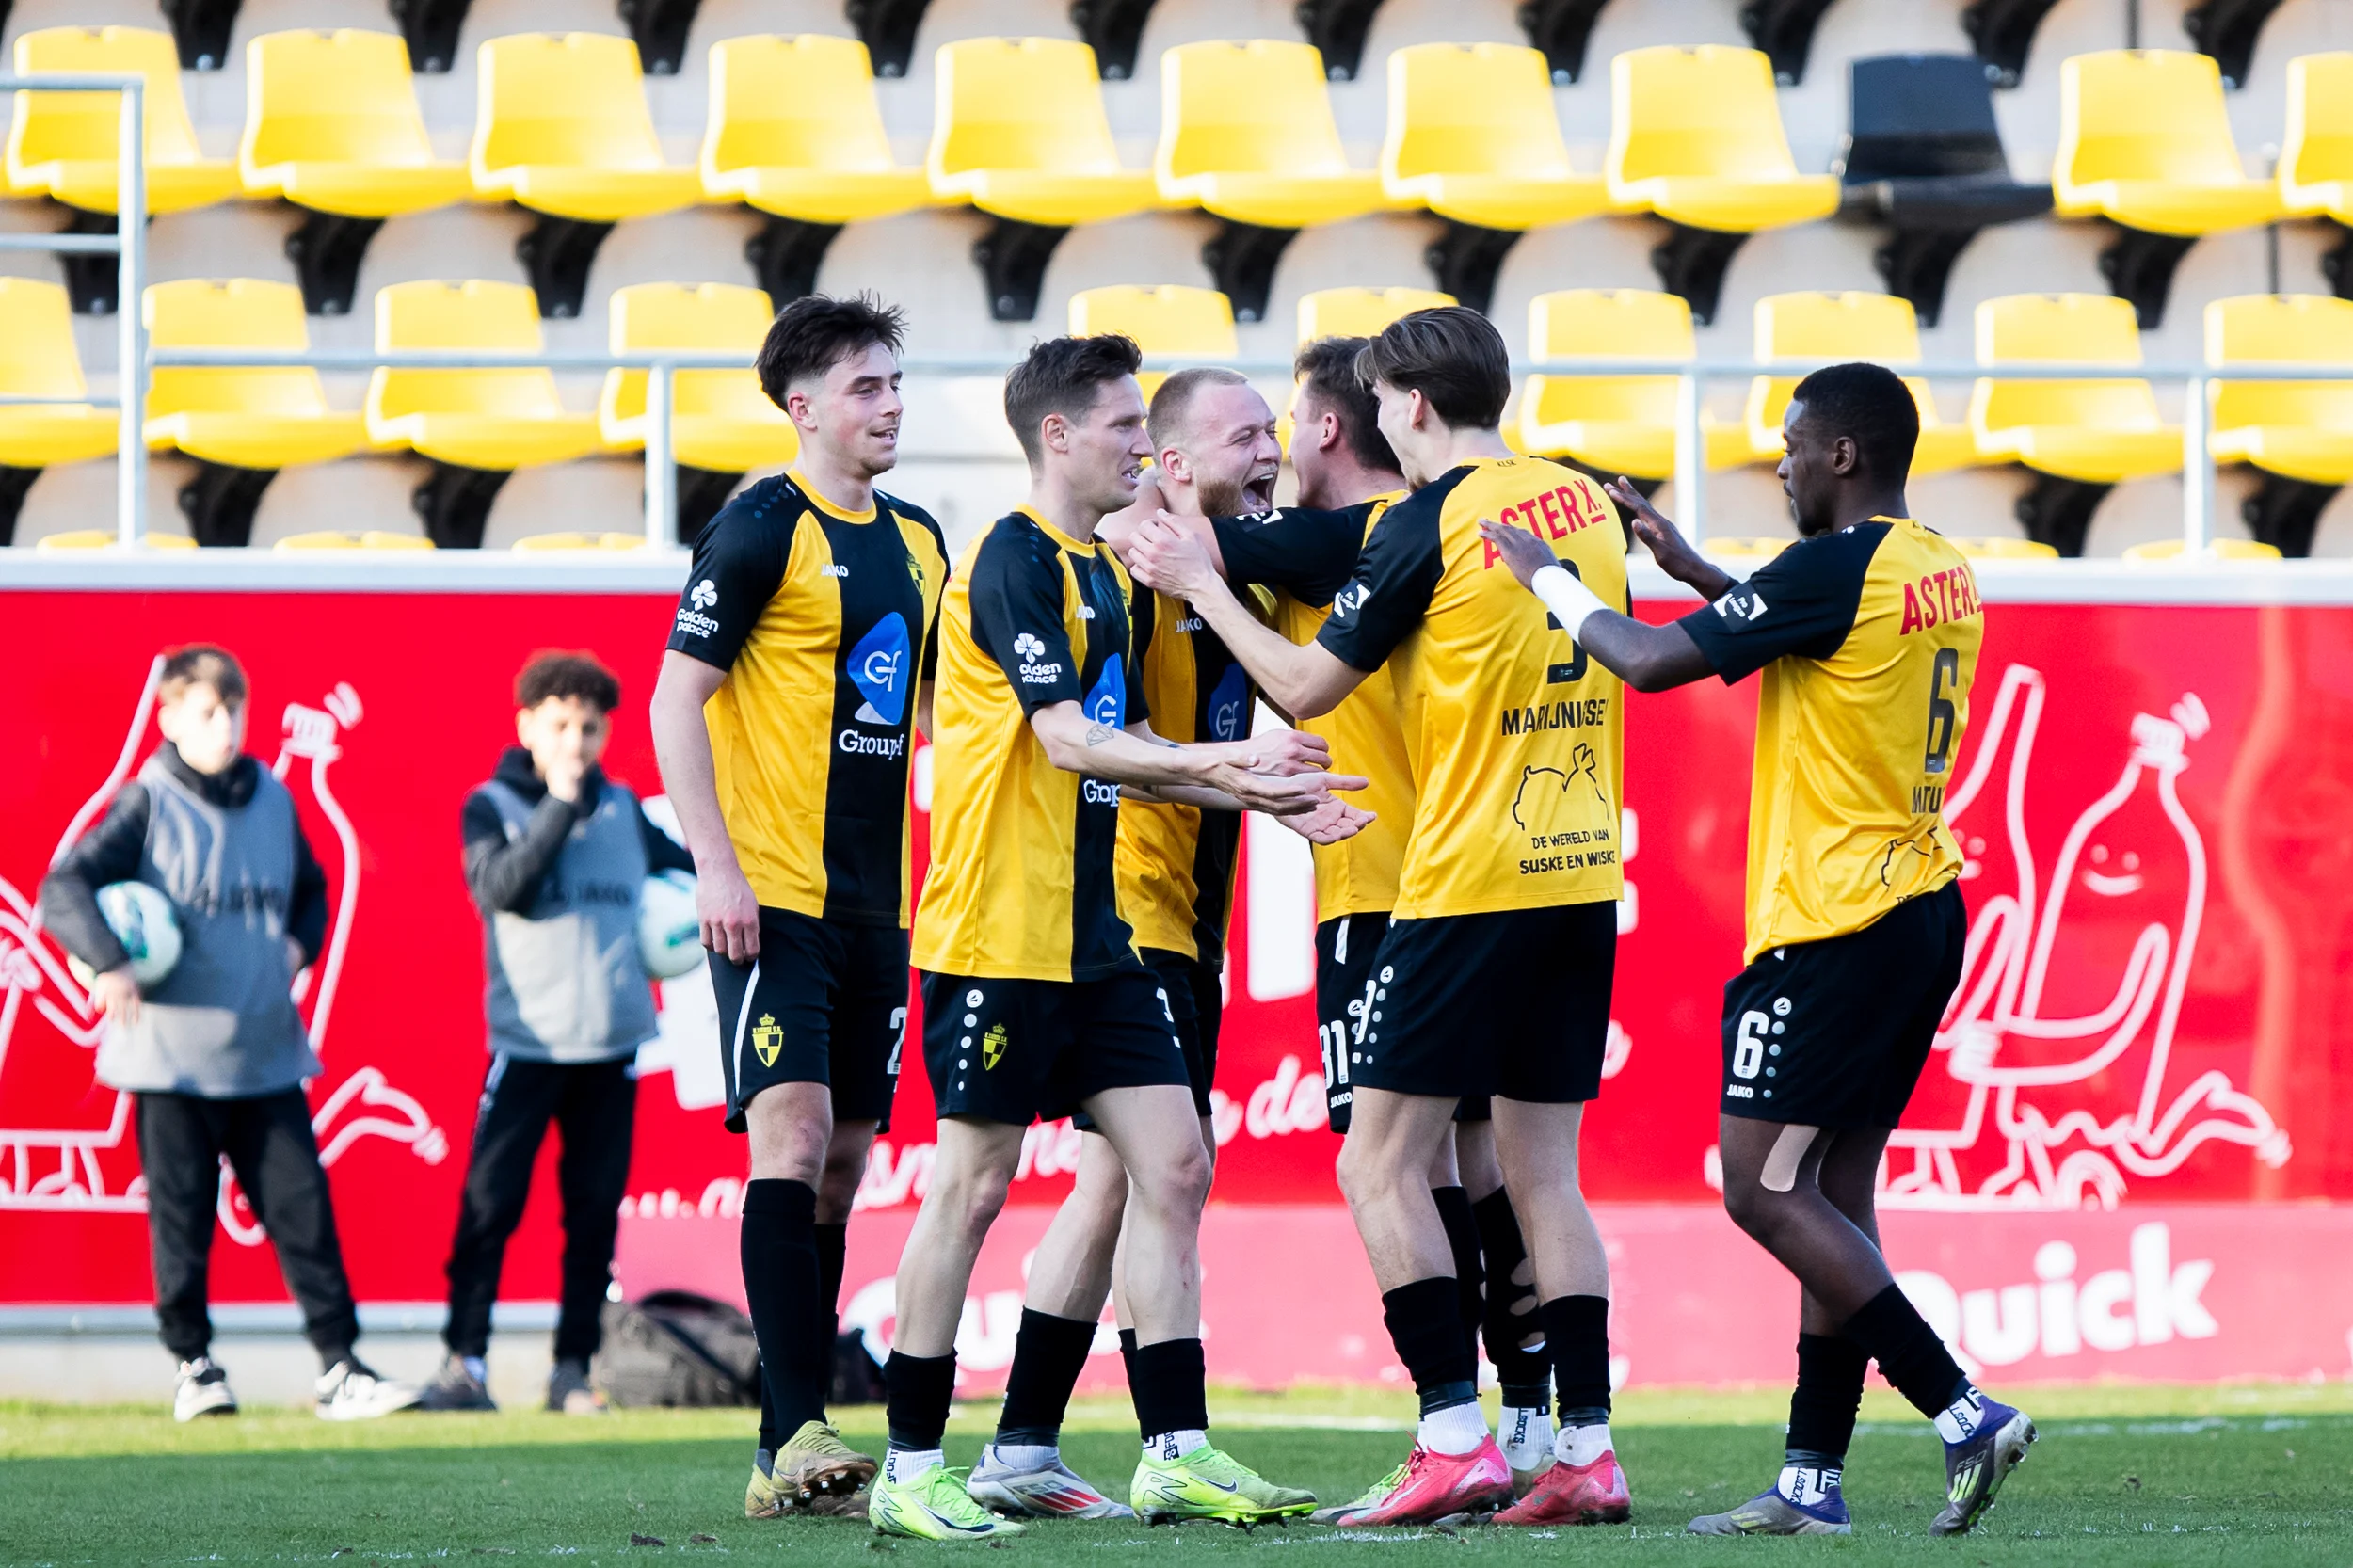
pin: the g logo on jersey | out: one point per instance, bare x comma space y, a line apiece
1108, 702
878, 669
1226, 714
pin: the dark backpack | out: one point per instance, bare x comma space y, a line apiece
678, 1349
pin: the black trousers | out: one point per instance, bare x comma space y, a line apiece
268, 1142
594, 1104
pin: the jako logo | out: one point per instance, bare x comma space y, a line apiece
706, 594
878, 668
2116, 1309
1108, 702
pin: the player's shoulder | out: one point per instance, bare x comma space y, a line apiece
1012, 544
762, 514
1846, 551
910, 512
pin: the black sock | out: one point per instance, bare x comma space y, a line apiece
1169, 1381
1510, 1316
833, 1246
790, 1322
1127, 1356
1576, 1333
770, 1439
1461, 1239
1048, 1353
1829, 1391
917, 1391
1426, 1326
1890, 1330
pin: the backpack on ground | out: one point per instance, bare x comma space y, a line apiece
677, 1349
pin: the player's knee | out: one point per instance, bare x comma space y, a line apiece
1755, 1209
1176, 1180
1362, 1173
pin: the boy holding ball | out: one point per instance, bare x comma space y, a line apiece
215, 1052
556, 855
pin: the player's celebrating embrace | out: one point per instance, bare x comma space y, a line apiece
1867, 631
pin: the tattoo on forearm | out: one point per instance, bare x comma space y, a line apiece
1100, 733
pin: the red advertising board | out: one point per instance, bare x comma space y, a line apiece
2157, 803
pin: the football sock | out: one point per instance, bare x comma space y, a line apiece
1426, 1326
1510, 1317
1830, 1390
1048, 1353
1127, 1354
790, 1321
1169, 1382
770, 1439
917, 1391
1582, 1444
476, 1367
1525, 1434
1890, 1330
907, 1463
1808, 1485
833, 1247
764, 1460
1461, 1239
1175, 1445
1576, 1334
1454, 1429
1026, 1456
1962, 1418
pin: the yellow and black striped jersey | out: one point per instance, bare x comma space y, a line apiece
1517, 738
1868, 640
826, 620
1021, 882
1307, 555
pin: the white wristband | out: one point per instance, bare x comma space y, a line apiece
1570, 600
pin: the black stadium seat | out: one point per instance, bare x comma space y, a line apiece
2002, 31
1783, 29
430, 27
1337, 28
1923, 156
199, 29
2227, 29
1561, 29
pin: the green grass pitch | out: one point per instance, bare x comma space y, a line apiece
2121, 1476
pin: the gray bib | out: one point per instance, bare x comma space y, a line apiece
566, 980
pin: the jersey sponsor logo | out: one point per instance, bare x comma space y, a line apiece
858, 744
833, 569
1108, 702
878, 669
1556, 513
1030, 651
1584, 714
1228, 704
1098, 792
767, 1039
1350, 600
1188, 624
1939, 596
1743, 604
706, 594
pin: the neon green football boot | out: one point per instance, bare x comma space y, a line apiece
1207, 1484
933, 1507
1372, 1498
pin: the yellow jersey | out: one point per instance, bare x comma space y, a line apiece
825, 620
1868, 640
1307, 555
1021, 883
1517, 737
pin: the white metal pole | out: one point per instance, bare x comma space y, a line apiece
2196, 467
661, 470
131, 324
1691, 459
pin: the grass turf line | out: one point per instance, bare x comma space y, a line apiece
2126, 1486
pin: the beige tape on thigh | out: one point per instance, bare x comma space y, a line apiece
1781, 1166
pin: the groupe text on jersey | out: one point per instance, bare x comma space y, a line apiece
1307, 555
1516, 736
826, 621
1021, 882
1868, 639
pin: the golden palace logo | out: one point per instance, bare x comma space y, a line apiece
767, 1039
993, 1046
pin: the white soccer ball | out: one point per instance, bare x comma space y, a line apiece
141, 919
669, 932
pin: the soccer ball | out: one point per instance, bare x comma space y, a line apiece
140, 917
669, 932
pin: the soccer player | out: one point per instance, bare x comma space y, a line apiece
1515, 743
1215, 450
1035, 1002
800, 657
1867, 631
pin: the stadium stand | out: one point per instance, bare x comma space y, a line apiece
241, 425
2226, 550
2316, 154
562, 128
477, 426
1247, 134
332, 126
1360, 312
2002, 32
345, 539
722, 424
1337, 28
1695, 137
795, 131
2298, 435
38, 359
1170, 319
2080, 437
2227, 30
1473, 135
1612, 425
1782, 32
1827, 327
2145, 142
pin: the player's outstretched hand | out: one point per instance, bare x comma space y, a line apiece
1666, 545
1522, 550
729, 913
115, 995
1280, 753
1291, 795
1329, 823
1166, 555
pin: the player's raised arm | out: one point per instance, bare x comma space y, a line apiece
1647, 658
1305, 681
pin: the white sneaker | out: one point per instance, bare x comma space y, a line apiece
1048, 1491
353, 1392
203, 1391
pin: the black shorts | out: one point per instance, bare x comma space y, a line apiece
1348, 952
1514, 1003
1024, 1050
822, 1003
1834, 1033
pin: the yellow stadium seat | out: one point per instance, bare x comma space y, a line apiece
2144, 139
2299, 429
1360, 312
1876, 327
533, 542
372, 539
38, 359
1247, 133
63, 144
1018, 130
250, 419
721, 420
2097, 432
476, 419
1744, 549
1613, 423
2217, 550
1169, 319
101, 538
1695, 135
1474, 137
795, 130
1997, 548
2316, 153
333, 123
561, 127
